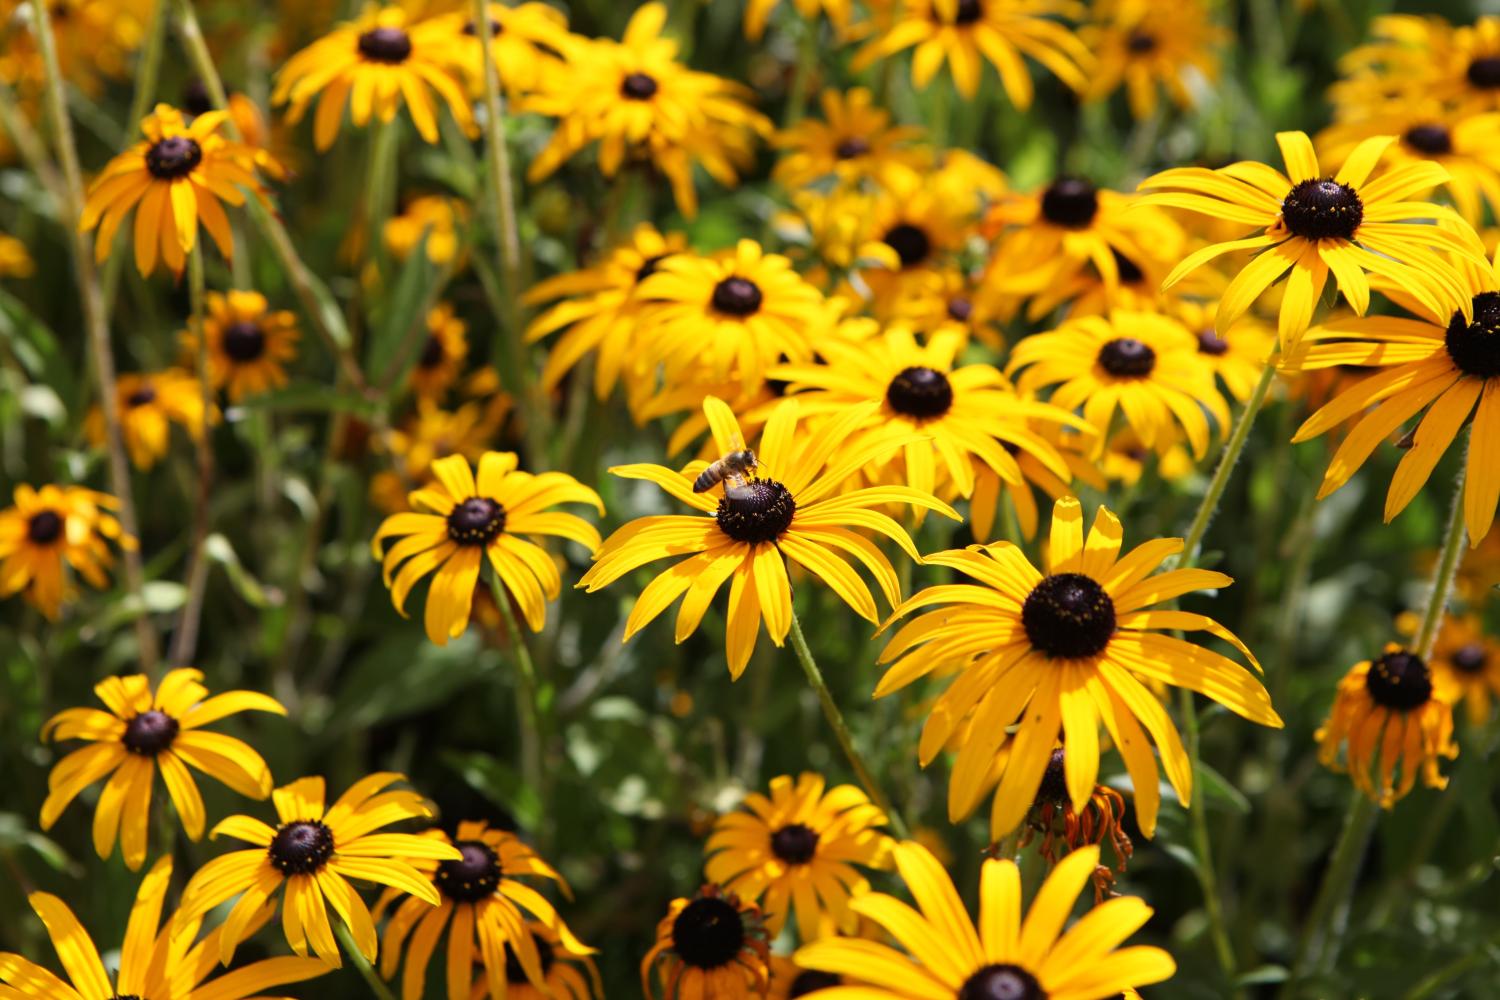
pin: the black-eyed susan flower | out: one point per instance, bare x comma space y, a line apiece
141, 734
442, 358
854, 141
1464, 67
432, 218
966, 33
432, 432
565, 976
1059, 653
711, 945
952, 302
483, 906
1465, 662
249, 343
373, 66
181, 174
1237, 356
1150, 47
757, 12
526, 44
597, 308
637, 101
49, 528
1387, 718
1059, 829
1312, 225
798, 847
790, 981
313, 852
920, 226
1447, 363
795, 506
147, 404
1146, 365
459, 521
156, 961
1001, 955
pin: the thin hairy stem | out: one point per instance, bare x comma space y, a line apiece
185, 641
528, 707
378, 988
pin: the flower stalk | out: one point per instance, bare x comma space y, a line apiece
528, 706
185, 641
378, 988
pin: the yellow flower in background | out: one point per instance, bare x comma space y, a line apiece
374, 66
799, 847
1465, 65
563, 973
712, 945
1147, 47
442, 358
922, 227
855, 141
182, 174
156, 961
1058, 653
1465, 662
94, 38
1386, 717
459, 521
434, 218
949, 302
1002, 955
791, 506
432, 432
1312, 225
313, 853
249, 344
146, 405
1237, 356
526, 42
15, 261
482, 903
840, 13
636, 100
52, 526
966, 33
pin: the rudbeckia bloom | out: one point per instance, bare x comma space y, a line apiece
1146, 365
1148, 47
921, 226
712, 945
1058, 653
799, 846
15, 261
1237, 356
1312, 225
460, 521
178, 176
855, 141
433, 218
964, 32
248, 343
951, 302
789, 980
52, 526
758, 11
526, 41
314, 853
1447, 363
142, 733
1386, 716
146, 405
443, 355
1004, 956
791, 509
563, 974
155, 962
482, 900
373, 65
1465, 663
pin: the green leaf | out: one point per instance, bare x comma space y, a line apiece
309, 398
37, 348
405, 674
400, 312
217, 547
1218, 788
157, 597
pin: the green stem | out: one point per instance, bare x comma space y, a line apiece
185, 641
147, 71
802, 73
1224, 471
841, 729
380, 187
528, 706
1442, 575
378, 988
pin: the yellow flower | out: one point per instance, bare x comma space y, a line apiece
49, 527
1312, 224
146, 405
248, 344
374, 65
432, 433
789, 508
799, 846
314, 853
1144, 45
141, 733
470, 520
839, 12
1465, 662
174, 179
856, 141
922, 227
15, 262
1386, 716
431, 217
525, 44
1239, 355
949, 302
1003, 956
156, 962
1058, 653
443, 355
562, 972
712, 945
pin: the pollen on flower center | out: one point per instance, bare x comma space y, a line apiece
1432, 139
638, 87
911, 244
708, 933
1485, 72
1141, 42
737, 296
810, 982
149, 733
1070, 202
795, 843
385, 45
758, 514
145, 394
173, 157
1002, 982
432, 353
1210, 342
1470, 658
850, 147
244, 341
920, 392
1322, 210
1399, 680
44, 528
516, 973
1126, 357
476, 521
1475, 347
969, 11
1068, 616
474, 876
301, 847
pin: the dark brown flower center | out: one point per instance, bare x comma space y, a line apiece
638, 87
1002, 982
1469, 658
1141, 42
301, 847
708, 933
1130, 273
1322, 210
391, 46
195, 99
1210, 342
432, 353
1475, 347
145, 394
850, 147
473, 877
795, 843
1054, 786
910, 242
737, 297
476, 521
515, 973
1431, 140
1484, 72
173, 157
969, 11
149, 733
920, 392
1126, 357
1399, 681
1070, 202
960, 309
1068, 616
810, 982
244, 341
759, 513
44, 528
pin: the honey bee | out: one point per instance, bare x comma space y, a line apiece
733, 470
